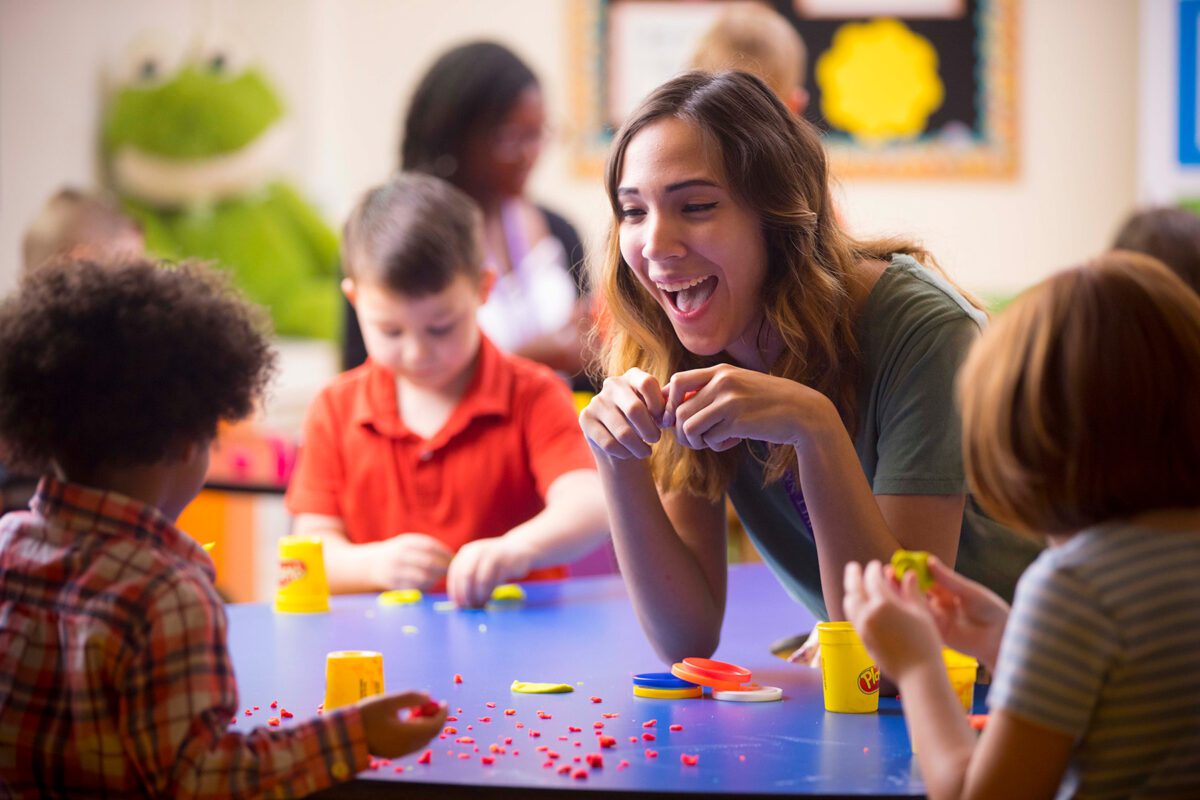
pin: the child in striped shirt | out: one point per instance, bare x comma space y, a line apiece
1081, 415
114, 674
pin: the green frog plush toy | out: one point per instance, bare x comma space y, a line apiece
193, 152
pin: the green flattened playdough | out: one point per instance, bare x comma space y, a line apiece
526, 687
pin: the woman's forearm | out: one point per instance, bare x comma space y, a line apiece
680, 605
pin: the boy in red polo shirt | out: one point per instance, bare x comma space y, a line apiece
440, 457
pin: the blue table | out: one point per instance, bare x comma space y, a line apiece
582, 632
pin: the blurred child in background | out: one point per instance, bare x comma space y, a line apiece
1081, 425
751, 37
72, 224
1172, 235
115, 676
441, 457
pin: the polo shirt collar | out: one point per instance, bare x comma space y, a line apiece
488, 393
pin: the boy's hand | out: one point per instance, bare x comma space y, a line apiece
892, 620
481, 566
970, 617
388, 735
407, 561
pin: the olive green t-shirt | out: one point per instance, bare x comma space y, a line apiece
914, 331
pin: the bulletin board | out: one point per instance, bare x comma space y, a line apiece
899, 88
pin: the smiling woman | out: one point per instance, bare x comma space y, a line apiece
807, 375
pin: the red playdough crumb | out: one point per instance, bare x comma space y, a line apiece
470, 727
541, 748
552, 754
425, 757
274, 704
398, 769
516, 752
490, 705
449, 731
649, 737
520, 724
595, 760
233, 720
256, 708
429, 709
464, 756
564, 769
508, 740
451, 719
457, 678
283, 712
573, 729
578, 744
485, 719
495, 748
563, 738
465, 740
609, 715
650, 723
595, 699
676, 727
597, 725
576, 759
534, 734
741, 758
579, 774
651, 753
978, 721
633, 740
487, 760
608, 741
547, 765
248, 712
273, 722
622, 764
690, 760
508, 712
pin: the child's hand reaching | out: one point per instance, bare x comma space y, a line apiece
893, 620
970, 617
388, 735
407, 561
482, 565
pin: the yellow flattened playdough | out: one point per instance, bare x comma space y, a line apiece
400, 597
508, 591
527, 687
915, 560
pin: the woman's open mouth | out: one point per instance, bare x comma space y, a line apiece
689, 296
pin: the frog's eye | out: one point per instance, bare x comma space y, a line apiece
220, 59
149, 60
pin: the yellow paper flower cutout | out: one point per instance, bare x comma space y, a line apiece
879, 81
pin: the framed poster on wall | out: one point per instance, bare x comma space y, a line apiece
900, 88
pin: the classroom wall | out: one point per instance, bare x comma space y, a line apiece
347, 68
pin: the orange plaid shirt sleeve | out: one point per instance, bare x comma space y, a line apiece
114, 675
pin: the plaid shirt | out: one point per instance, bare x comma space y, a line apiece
114, 677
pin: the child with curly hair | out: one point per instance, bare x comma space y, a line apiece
114, 674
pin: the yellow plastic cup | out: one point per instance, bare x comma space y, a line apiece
848, 673
351, 675
302, 586
961, 670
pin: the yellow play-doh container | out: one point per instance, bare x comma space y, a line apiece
848, 673
351, 675
302, 587
961, 670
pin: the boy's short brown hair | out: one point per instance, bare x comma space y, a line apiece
413, 235
125, 364
1081, 403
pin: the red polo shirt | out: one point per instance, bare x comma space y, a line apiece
486, 471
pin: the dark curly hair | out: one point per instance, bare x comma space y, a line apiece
124, 365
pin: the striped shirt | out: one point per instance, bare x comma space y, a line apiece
114, 675
1103, 644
